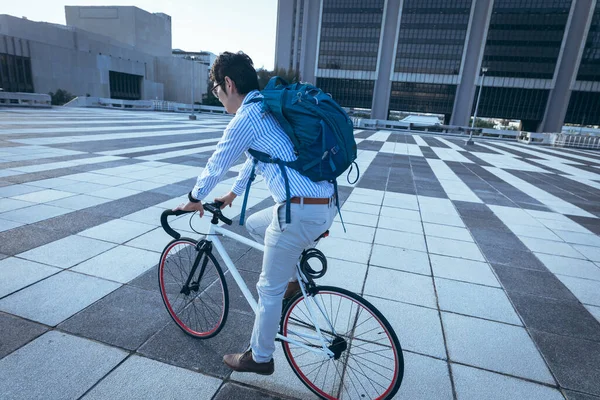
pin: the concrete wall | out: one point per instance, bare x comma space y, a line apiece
177, 75
79, 61
143, 31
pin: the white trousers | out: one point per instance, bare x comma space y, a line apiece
284, 244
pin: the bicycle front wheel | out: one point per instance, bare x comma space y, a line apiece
198, 304
367, 361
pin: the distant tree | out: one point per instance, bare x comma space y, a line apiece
264, 75
61, 97
482, 123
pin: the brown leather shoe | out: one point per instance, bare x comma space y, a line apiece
244, 363
293, 287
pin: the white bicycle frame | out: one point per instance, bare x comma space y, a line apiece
324, 350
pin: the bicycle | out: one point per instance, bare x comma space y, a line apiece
336, 342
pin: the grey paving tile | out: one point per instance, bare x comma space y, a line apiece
571, 395
6, 225
17, 332
461, 269
573, 361
12, 204
27, 237
341, 273
125, 318
38, 212
345, 250
233, 391
43, 196
513, 258
559, 317
454, 248
400, 286
67, 252
587, 291
494, 346
400, 259
16, 190
590, 252
570, 266
33, 372
448, 232
418, 328
17, 273
476, 384
56, 298
403, 240
137, 378
73, 222
475, 300
552, 247
120, 264
425, 378
78, 202
537, 283
173, 346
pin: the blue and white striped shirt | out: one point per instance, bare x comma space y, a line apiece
250, 128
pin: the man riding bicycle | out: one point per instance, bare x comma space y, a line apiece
312, 204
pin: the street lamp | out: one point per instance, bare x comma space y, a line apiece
192, 115
470, 141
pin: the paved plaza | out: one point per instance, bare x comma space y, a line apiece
485, 259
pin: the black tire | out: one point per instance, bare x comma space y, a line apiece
203, 312
367, 351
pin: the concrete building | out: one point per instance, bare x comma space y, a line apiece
542, 57
111, 52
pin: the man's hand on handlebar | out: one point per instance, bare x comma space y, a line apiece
227, 199
189, 206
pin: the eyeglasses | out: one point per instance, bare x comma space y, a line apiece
214, 89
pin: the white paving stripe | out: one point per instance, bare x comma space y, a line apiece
405, 149
178, 153
454, 187
380, 136
156, 147
542, 196
63, 122
449, 144
65, 164
75, 130
560, 160
450, 155
109, 136
419, 140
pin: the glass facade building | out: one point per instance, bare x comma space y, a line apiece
584, 105
426, 56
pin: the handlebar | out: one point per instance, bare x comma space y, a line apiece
213, 208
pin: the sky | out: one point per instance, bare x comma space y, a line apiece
209, 25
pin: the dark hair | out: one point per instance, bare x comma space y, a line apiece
239, 68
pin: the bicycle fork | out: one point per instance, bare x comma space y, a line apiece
203, 247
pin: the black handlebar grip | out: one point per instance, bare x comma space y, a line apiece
165, 224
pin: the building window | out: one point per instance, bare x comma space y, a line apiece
15, 73
352, 93
589, 69
511, 103
125, 86
584, 108
432, 36
525, 37
422, 97
350, 31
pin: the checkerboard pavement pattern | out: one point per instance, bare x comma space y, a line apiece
484, 258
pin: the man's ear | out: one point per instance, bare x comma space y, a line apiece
230, 84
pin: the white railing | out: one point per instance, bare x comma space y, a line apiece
17, 99
148, 105
572, 140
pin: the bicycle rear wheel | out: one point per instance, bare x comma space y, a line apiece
368, 361
200, 307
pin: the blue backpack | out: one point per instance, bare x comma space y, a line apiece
320, 130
